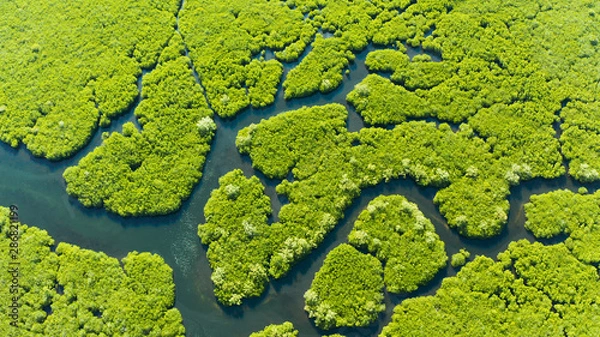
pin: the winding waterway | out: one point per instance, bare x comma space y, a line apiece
37, 186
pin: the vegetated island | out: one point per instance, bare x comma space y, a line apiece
396, 232
71, 291
460, 258
347, 291
285, 329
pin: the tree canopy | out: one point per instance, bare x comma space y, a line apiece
70, 291
397, 233
347, 290
318, 148
565, 212
460, 258
224, 38
286, 329
330, 166
150, 171
238, 237
503, 69
532, 290
72, 65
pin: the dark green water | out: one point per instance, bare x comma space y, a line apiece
38, 188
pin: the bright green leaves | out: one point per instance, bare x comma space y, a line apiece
555, 213
476, 207
262, 80
381, 102
71, 64
238, 237
108, 291
286, 329
223, 37
413, 22
330, 166
580, 138
532, 70
75, 291
320, 70
556, 272
527, 293
150, 172
347, 290
352, 24
459, 259
306, 132
304, 223
315, 145
565, 212
521, 134
398, 234
503, 75
473, 198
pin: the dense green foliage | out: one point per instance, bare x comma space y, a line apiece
505, 70
509, 71
286, 329
70, 65
581, 138
320, 70
533, 290
517, 132
151, 171
78, 292
330, 166
460, 259
566, 212
378, 99
314, 144
238, 237
353, 25
223, 37
347, 290
398, 234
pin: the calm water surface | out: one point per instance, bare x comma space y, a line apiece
38, 188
